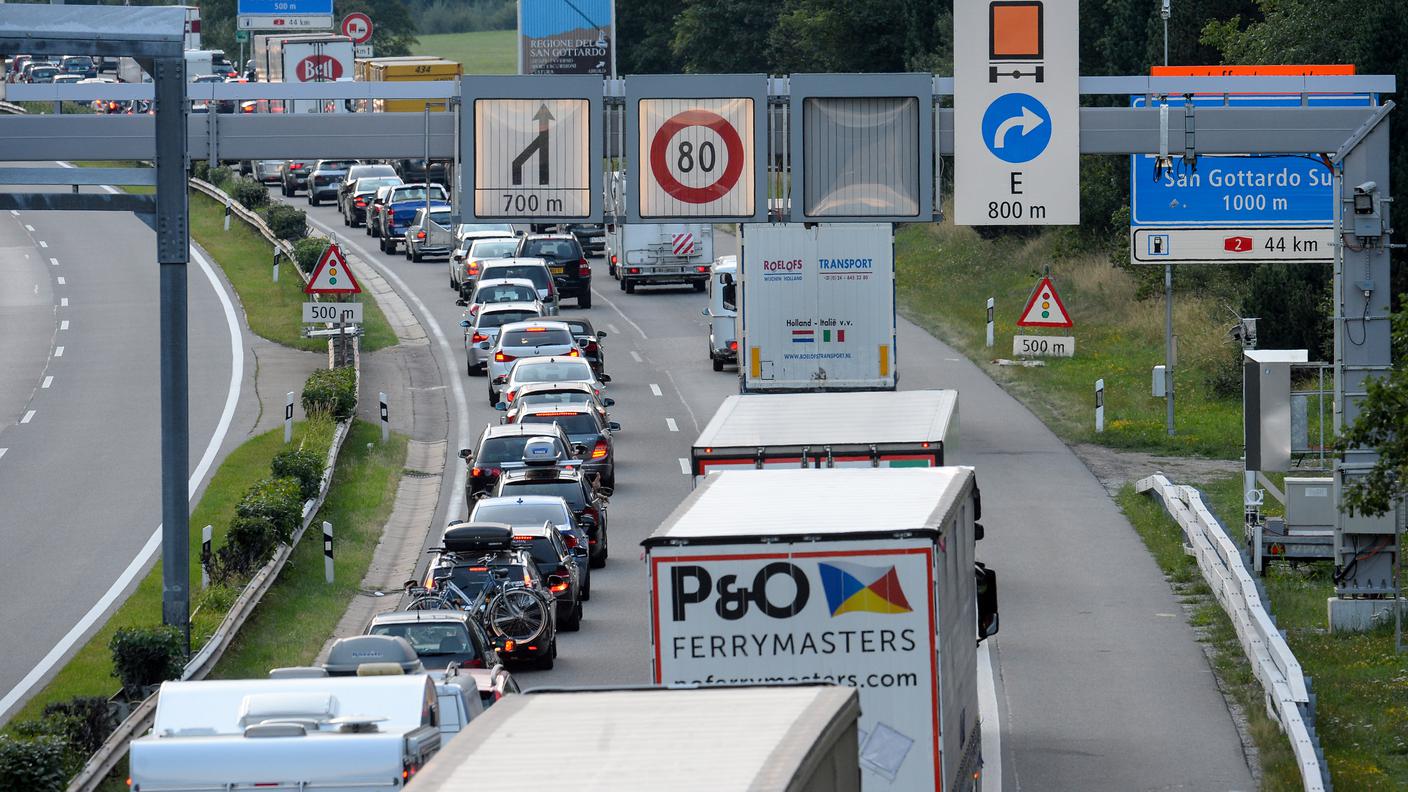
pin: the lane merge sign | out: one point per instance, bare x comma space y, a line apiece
1016, 113
331, 275
1044, 308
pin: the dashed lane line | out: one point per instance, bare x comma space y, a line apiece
63, 325
47, 382
62, 282
53, 262
29, 416
63, 302
636, 356
620, 313
684, 466
29, 228
43, 244
670, 422
58, 351
613, 329
655, 389
3, 450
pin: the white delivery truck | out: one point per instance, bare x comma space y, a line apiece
816, 307
863, 578
722, 312
305, 57
655, 254
799, 738
337, 734
875, 429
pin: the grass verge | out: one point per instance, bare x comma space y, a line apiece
481, 52
1360, 683
89, 672
300, 611
946, 274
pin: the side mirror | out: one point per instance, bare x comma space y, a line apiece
704, 312
466, 454
726, 279
613, 426
579, 449
461, 302
601, 334
977, 532
580, 552
501, 406
464, 323
556, 580
501, 379
608, 402
987, 601
605, 378
606, 492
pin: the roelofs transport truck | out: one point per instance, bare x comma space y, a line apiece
816, 307
863, 578
792, 738
871, 429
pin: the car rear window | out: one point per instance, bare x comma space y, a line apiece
336, 164
578, 328
505, 449
417, 194
508, 292
541, 548
371, 183
474, 578
521, 339
551, 372
493, 248
534, 272
440, 218
501, 318
518, 513
431, 639
569, 491
558, 249
574, 423
556, 397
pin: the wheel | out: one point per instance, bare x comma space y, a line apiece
610, 481
312, 201
520, 613
584, 300
718, 364
453, 283
629, 286
573, 622
381, 243
599, 559
283, 188
547, 661
345, 221
493, 397
699, 286
587, 589
416, 256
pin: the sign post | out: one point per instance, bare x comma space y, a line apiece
1016, 120
1099, 405
205, 540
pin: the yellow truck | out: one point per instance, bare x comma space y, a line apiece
410, 68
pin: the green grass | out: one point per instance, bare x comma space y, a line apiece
482, 52
89, 672
946, 274
300, 611
1360, 682
274, 310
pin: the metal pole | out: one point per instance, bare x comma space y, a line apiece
173, 252
288, 418
385, 418
327, 551
276, 263
990, 307
1168, 345
205, 539
427, 172
1099, 406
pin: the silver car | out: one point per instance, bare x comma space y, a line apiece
471, 255
268, 171
429, 234
500, 290
481, 331
536, 338
533, 269
566, 368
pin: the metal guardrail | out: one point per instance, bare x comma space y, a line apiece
12, 108
101, 763
1288, 696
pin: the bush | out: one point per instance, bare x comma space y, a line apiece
249, 544
84, 722
332, 391
221, 176
145, 656
251, 193
308, 251
35, 765
276, 500
285, 221
303, 466
200, 169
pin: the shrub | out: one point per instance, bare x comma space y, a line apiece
145, 656
200, 169
285, 221
332, 391
304, 466
251, 193
221, 176
249, 544
84, 722
35, 765
276, 500
308, 250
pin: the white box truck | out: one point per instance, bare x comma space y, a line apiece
768, 739
655, 254
863, 578
816, 307
876, 429
305, 57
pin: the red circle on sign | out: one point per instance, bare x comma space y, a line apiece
318, 68
358, 27
660, 166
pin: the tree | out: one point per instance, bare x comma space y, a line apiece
839, 36
645, 30
725, 36
1382, 424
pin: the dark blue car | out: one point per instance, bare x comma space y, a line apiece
400, 210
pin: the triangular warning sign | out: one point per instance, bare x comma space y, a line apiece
332, 276
1044, 309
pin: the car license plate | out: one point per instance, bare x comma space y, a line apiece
559, 270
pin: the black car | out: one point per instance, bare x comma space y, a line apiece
591, 236
575, 486
589, 340
570, 270
357, 195
550, 552
585, 426
413, 170
504, 447
327, 176
293, 176
355, 174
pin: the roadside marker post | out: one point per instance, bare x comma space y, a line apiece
288, 418
385, 418
276, 263
205, 536
327, 551
227, 213
990, 307
1099, 406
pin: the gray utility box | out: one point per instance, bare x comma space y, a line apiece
1310, 502
1266, 406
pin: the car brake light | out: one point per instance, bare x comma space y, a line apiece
570, 540
599, 451
574, 353
555, 414
733, 345
614, 260
701, 268
477, 337
522, 538
510, 397
584, 268
361, 202
582, 263
420, 235
472, 268
558, 588
535, 330
633, 270
474, 663
509, 645
592, 346
500, 357
296, 166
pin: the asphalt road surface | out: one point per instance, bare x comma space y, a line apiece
1100, 684
80, 482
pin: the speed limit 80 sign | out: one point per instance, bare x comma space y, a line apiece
696, 157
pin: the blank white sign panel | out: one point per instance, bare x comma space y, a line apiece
531, 158
696, 158
861, 156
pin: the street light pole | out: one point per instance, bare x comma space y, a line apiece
1165, 12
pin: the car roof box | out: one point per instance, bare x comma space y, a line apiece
478, 537
347, 655
540, 451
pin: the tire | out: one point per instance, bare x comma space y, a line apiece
573, 622
584, 300
414, 256
345, 221
465, 291
473, 370
718, 364
493, 397
521, 614
599, 560
587, 590
610, 483
283, 188
313, 201
381, 243
629, 286
547, 661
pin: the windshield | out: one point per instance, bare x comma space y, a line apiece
558, 249
493, 248
574, 423
556, 397
525, 339
533, 272
417, 194
569, 491
551, 371
433, 639
514, 513
505, 292
508, 449
473, 579
335, 165
478, 228
501, 318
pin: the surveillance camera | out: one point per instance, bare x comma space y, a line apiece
1366, 188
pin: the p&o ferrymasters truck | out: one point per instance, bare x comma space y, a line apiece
864, 578
816, 307
829, 430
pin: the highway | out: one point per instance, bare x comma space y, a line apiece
1099, 682
79, 422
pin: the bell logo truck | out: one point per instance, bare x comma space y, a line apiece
862, 578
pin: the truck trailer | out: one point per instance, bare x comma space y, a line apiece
655, 254
410, 68
798, 738
864, 578
816, 307
302, 58
829, 430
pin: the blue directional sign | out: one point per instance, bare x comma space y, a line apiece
285, 8
1236, 191
1016, 127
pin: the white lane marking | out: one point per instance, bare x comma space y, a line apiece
3, 450
29, 416
636, 356
43, 244
29, 228
613, 329
53, 262
63, 302
684, 466
991, 723
655, 389
222, 428
622, 314
58, 351
15, 212
670, 422
63, 325
62, 282
47, 382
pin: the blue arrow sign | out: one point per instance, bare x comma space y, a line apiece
1235, 191
1016, 127
284, 8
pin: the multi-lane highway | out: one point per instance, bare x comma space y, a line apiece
79, 422
1098, 680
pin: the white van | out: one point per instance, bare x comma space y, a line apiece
722, 312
